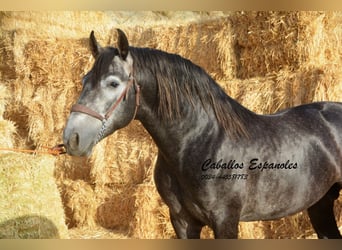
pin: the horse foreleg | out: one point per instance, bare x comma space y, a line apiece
322, 215
185, 226
227, 230
182, 221
226, 224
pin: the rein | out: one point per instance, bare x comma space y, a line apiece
88, 111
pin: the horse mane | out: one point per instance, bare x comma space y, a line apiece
180, 81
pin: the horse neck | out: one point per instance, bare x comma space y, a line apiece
194, 117
172, 135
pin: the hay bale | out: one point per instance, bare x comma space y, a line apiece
4, 96
53, 67
319, 42
274, 92
320, 46
27, 186
47, 87
124, 165
148, 221
79, 203
115, 206
72, 169
7, 128
7, 132
210, 44
93, 206
7, 63
265, 42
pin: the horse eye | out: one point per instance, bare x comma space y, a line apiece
114, 84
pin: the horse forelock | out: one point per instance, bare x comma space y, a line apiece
101, 64
180, 81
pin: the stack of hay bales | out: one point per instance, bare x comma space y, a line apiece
31, 206
266, 60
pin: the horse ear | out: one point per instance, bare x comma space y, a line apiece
122, 44
94, 46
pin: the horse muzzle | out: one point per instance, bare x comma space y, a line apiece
80, 140
73, 147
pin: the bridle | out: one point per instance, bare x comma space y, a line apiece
88, 111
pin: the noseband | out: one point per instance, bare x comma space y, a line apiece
85, 110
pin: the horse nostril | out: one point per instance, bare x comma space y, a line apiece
74, 141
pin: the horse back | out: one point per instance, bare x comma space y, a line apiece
322, 120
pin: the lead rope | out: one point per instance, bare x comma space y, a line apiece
56, 150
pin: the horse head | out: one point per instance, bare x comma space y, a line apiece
106, 102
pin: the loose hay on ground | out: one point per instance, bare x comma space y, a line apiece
96, 233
